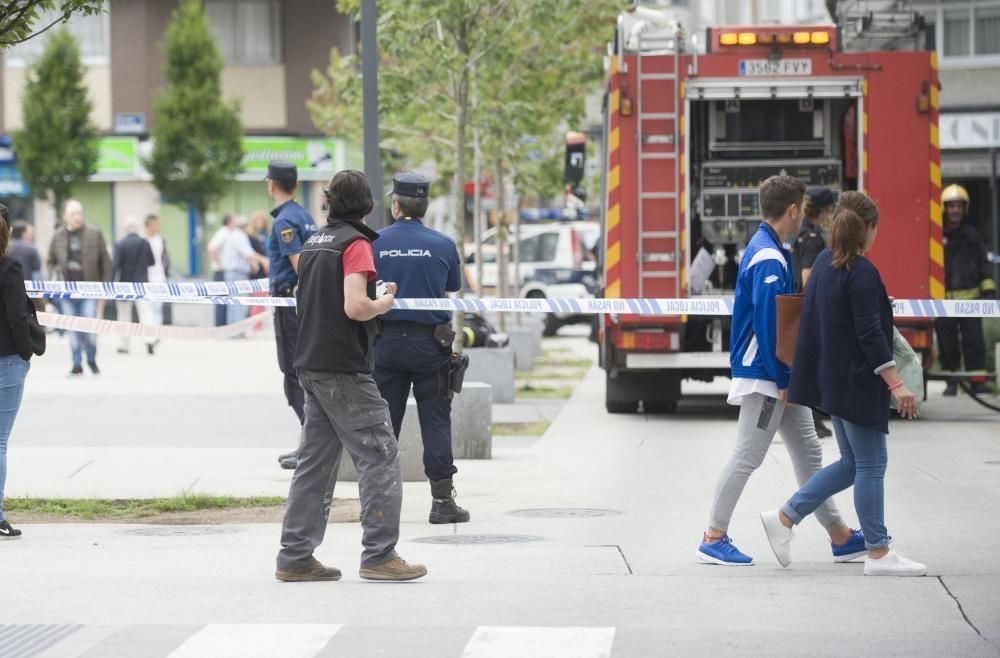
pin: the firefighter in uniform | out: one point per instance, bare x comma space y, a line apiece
414, 348
293, 225
968, 275
809, 244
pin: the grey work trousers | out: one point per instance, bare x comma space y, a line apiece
343, 411
760, 418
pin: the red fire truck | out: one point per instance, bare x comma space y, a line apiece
690, 137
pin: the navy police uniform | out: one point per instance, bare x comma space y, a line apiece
414, 348
808, 246
293, 225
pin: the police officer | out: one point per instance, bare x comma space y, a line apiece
809, 244
968, 275
811, 240
414, 348
293, 225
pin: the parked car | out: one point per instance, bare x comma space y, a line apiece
558, 260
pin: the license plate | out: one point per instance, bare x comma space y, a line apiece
767, 67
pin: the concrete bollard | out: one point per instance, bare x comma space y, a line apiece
471, 430
493, 366
526, 342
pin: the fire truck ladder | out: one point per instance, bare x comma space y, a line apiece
657, 225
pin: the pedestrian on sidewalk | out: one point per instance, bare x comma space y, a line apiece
414, 348
238, 258
844, 367
78, 253
809, 244
24, 251
760, 382
214, 248
16, 349
131, 263
338, 308
293, 225
151, 313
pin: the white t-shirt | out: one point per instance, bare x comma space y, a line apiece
216, 243
156, 272
236, 251
742, 386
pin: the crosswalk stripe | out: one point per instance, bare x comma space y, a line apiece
539, 642
257, 640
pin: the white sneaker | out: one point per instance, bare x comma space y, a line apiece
894, 563
779, 536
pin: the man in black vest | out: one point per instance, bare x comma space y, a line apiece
337, 307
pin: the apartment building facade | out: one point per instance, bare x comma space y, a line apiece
270, 48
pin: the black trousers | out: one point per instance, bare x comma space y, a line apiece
958, 338
220, 309
286, 331
404, 359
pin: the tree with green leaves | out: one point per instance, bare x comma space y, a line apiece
197, 140
19, 19
532, 62
57, 145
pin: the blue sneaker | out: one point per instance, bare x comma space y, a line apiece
723, 552
853, 549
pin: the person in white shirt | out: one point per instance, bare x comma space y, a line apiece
214, 256
237, 257
151, 313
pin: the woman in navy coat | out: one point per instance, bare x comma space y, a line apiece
844, 368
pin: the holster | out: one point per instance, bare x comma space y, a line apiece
459, 363
444, 335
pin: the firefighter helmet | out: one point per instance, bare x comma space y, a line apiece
955, 193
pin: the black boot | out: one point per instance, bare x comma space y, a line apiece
951, 390
444, 508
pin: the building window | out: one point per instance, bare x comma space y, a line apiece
967, 33
956, 33
988, 31
247, 31
92, 32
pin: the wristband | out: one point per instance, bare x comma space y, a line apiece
898, 384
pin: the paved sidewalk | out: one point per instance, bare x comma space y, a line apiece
614, 556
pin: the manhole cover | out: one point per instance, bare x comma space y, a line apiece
565, 512
180, 531
478, 539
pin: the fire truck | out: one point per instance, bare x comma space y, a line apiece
688, 139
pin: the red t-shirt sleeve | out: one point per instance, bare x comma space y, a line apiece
359, 257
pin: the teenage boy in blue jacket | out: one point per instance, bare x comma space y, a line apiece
760, 381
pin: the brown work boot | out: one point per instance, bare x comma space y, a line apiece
315, 571
394, 569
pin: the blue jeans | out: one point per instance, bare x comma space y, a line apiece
82, 308
863, 458
234, 312
13, 370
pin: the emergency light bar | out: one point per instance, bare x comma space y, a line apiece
736, 37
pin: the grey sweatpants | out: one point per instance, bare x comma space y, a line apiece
343, 412
760, 418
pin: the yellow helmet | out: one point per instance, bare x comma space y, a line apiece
954, 193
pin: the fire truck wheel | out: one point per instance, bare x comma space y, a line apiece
621, 406
659, 406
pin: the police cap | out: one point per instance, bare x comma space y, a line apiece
282, 170
820, 197
407, 183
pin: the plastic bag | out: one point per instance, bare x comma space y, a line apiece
908, 365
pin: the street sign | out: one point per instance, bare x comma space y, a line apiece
969, 130
130, 123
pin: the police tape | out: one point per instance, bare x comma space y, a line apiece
113, 328
171, 289
708, 306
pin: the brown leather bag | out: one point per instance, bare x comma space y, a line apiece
789, 311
